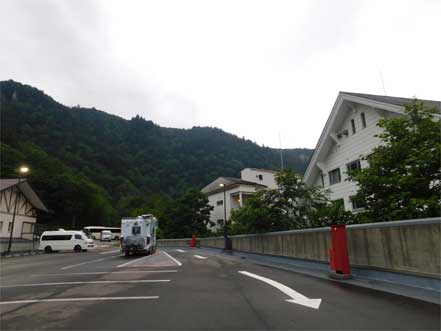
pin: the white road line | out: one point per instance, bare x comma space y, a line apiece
109, 252
105, 273
173, 259
76, 265
87, 262
180, 250
200, 257
78, 299
133, 261
91, 282
295, 297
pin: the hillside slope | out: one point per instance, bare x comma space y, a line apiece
83, 158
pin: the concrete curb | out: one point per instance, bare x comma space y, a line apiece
18, 254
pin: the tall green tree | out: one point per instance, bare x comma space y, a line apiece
293, 205
189, 215
403, 177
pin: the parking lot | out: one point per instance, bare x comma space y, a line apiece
183, 289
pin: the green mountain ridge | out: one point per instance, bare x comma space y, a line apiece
87, 163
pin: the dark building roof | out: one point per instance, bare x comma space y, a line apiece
396, 100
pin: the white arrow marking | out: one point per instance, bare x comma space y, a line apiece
296, 297
180, 250
200, 257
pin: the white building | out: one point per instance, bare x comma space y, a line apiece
237, 190
13, 191
349, 134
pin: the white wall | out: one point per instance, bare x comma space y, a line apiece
350, 148
252, 175
24, 214
5, 219
218, 211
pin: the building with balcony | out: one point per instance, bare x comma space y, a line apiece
226, 193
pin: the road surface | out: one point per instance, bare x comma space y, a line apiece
189, 289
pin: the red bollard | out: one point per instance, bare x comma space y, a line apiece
193, 241
339, 253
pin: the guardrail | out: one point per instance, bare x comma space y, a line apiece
410, 246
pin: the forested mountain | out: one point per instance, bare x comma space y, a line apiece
91, 165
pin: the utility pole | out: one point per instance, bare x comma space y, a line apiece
21, 170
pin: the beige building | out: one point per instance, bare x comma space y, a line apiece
237, 190
18, 195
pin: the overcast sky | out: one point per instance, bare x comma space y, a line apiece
252, 68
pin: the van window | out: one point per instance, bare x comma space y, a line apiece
78, 236
136, 230
56, 237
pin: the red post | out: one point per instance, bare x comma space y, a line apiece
193, 241
339, 253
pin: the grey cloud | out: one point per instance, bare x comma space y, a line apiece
64, 48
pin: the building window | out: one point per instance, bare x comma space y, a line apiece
354, 165
358, 203
353, 126
334, 176
260, 177
339, 203
220, 202
9, 226
363, 120
1, 226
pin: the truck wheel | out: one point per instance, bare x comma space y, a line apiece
77, 248
48, 249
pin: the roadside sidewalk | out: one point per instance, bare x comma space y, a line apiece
17, 254
421, 288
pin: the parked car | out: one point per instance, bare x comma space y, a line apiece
106, 235
62, 240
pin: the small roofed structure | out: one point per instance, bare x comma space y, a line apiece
17, 195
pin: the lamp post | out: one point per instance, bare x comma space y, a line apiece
23, 170
227, 241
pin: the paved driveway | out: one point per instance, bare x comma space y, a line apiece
189, 289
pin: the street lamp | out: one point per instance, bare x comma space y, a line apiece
227, 241
22, 171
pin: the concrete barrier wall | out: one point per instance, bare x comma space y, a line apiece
403, 246
20, 246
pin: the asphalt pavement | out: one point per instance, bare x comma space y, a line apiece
190, 289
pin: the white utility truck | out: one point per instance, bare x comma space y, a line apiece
138, 234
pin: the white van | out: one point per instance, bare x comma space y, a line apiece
52, 241
106, 235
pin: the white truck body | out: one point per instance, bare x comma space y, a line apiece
138, 234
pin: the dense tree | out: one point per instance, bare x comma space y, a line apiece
403, 179
189, 215
294, 205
